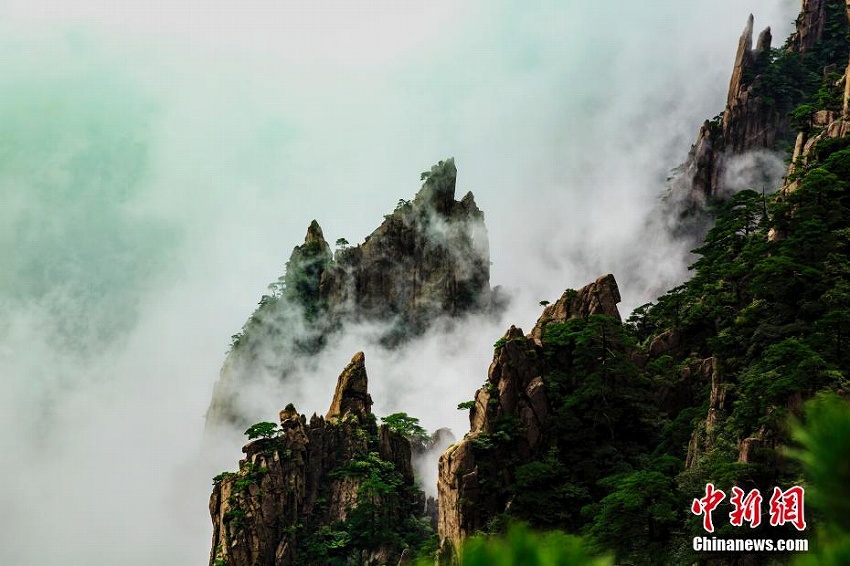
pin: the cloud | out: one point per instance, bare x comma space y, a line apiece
755, 170
158, 162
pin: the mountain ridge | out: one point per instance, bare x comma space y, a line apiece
610, 428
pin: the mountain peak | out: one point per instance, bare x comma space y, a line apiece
438, 190
428, 258
352, 395
314, 233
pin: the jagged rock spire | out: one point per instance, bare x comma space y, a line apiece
742, 59
290, 487
745, 59
429, 258
314, 233
352, 395
438, 191
747, 122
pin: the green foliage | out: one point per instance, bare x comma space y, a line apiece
235, 339
801, 117
825, 454
263, 429
249, 474
785, 368
300, 283
329, 544
466, 405
824, 148
794, 84
823, 450
440, 172
601, 420
223, 476
593, 384
235, 517
384, 515
407, 426
504, 430
785, 78
523, 547
774, 315
402, 204
637, 517
638, 324
544, 493
482, 441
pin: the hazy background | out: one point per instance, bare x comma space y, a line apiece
158, 161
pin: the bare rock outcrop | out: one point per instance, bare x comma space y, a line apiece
298, 488
600, 297
702, 439
351, 395
514, 392
810, 24
751, 120
747, 122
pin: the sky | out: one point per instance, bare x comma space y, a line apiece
158, 162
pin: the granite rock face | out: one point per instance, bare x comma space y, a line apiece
810, 24
428, 259
825, 124
351, 395
473, 482
749, 121
514, 390
702, 438
600, 297
310, 479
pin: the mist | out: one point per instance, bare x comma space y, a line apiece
159, 161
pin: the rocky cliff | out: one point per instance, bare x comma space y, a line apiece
325, 491
429, 258
830, 119
510, 418
747, 122
811, 24
824, 127
585, 424
766, 85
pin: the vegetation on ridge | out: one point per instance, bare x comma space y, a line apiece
698, 387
